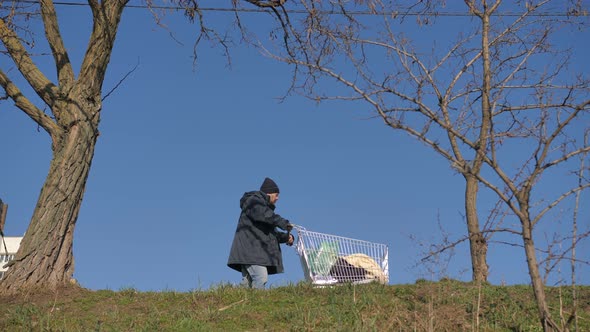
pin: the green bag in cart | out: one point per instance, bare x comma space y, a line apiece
322, 258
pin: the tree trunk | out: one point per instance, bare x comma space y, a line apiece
477, 241
538, 286
45, 258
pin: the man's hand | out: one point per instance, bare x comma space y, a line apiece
289, 227
290, 240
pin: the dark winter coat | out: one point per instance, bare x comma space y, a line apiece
256, 241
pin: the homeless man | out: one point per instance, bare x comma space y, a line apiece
255, 250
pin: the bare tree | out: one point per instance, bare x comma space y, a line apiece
500, 92
45, 258
409, 97
517, 191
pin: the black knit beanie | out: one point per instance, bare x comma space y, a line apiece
269, 186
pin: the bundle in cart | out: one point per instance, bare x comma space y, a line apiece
330, 259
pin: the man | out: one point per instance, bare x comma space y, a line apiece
255, 250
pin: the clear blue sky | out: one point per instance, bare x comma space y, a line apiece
179, 147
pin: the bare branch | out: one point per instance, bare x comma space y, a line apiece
121, 81
268, 3
26, 106
65, 73
38, 81
567, 156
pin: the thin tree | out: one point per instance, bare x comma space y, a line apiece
575, 230
501, 89
409, 97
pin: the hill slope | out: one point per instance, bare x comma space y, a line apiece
425, 306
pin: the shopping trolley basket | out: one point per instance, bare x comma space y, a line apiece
329, 259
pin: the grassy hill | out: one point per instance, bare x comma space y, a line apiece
447, 305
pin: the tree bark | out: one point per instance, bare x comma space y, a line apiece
45, 257
477, 242
538, 286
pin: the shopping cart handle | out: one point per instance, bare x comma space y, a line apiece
297, 227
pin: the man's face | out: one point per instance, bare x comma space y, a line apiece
273, 198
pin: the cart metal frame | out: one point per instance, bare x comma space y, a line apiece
330, 259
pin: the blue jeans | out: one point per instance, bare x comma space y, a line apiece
254, 276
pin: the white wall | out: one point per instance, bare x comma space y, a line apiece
8, 249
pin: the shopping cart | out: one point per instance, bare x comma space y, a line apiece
329, 259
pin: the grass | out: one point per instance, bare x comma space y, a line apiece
447, 305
